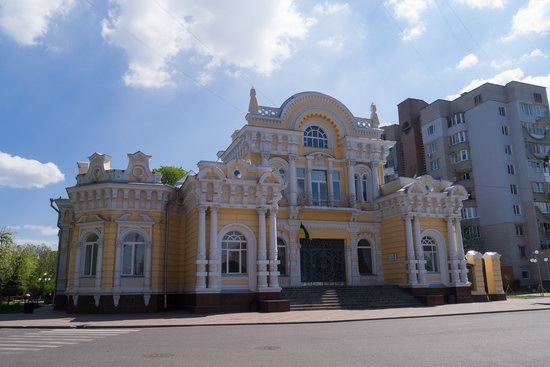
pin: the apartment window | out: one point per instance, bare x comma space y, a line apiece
511, 169
526, 108
315, 137
432, 148
301, 178
539, 111
514, 189
538, 186
319, 187
434, 166
90, 255
459, 156
470, 212
502, 111
133, 255
471, 232
537, 97
431, 130
465, 176
459, 137
522, 252
517, 209
546, 227
477, 99
535, 166
508, 149
543, 207
532, 129
505, 130
519, 230
336, 185
457, 118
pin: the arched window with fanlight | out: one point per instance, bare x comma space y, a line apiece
364, 257
281, 256
133, 255
234, 249
430, 254
90, 255
315, 137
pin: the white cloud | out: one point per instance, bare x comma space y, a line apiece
533, 55
330, 9
333, 43
411, 12
152, 33
36, 241
505, 77
467, 62
483, 4
43, 230
26, 21
18, 172
533, 18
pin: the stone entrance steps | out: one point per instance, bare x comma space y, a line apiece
334, 298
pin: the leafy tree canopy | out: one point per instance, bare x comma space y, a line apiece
170, 174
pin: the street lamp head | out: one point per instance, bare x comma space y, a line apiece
536, 252
546, 259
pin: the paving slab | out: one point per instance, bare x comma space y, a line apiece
45, 317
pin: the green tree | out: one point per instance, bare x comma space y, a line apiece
7, 253
170, 174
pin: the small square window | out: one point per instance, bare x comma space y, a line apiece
505, 130
477, 99
519, 230
522, 252
431, 130
502, 111
517, 209
508, 149
537, 97
514, 189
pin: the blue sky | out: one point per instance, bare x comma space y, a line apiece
171, 78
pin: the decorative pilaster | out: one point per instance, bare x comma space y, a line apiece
294, 245
460, 252
330, 182
411, 260
273, 262
262, 250
265, 159
99, 265
118, 267
375, 180
292, 178
351, 183
308, 180
455, 277
419, 251
201, 250
147, 273
77, 266
214, 271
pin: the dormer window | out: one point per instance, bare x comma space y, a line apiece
315, 137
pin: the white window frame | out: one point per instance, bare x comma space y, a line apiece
319, 199
502, 110
434, 165
469, 212
516, 209
508, 149
365, 244
132, 246
519, 230
235, 237
513, 189
511, 169
282, 256
430, 130
336, 186
318, 136
538, 187
460, 156
94, 245
431, 254
505, 130
432, 148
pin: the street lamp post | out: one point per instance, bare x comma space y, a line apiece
535, 260
547, 267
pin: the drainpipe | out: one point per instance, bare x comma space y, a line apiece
58, 249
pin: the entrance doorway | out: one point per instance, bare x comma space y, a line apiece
322, 262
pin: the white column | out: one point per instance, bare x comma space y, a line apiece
262, 250
359, 189
351, 183
214, 270
147, 266
375, 180
410, 250
294, 246
99, 266
452, 251
419, 251
265, 159
293, 183
308, 182
201, 250
273, 262
118, 265
460, 252
330, 183
77, 266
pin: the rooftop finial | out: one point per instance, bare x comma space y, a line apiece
253, 104
374, 116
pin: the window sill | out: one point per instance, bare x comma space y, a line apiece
132, 276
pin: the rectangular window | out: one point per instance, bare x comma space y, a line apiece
517, 209
457, 118
505, 130
535, 166
281, 256
319, 187
543, 207
90, 259
432, 148
364, 260
538, 186
537, 97
465, 176
526, 109
508, 149
301, 178
511, 169
546, 228
127, 259
431, 130
470, 212
471, 232
459, 156
539, 111
435, 165
477, 99
336, 185
519, 230
514, 189
459, 137
133, 259
522, 252
502, 111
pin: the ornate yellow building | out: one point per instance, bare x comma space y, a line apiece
297, 199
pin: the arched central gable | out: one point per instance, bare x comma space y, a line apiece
306, 105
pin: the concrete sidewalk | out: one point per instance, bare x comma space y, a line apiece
46, 318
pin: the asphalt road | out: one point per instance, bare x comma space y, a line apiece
506, 339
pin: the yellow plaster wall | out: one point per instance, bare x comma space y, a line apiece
241, 281
188, 275
392, 233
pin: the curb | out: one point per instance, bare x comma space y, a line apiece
92, 326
